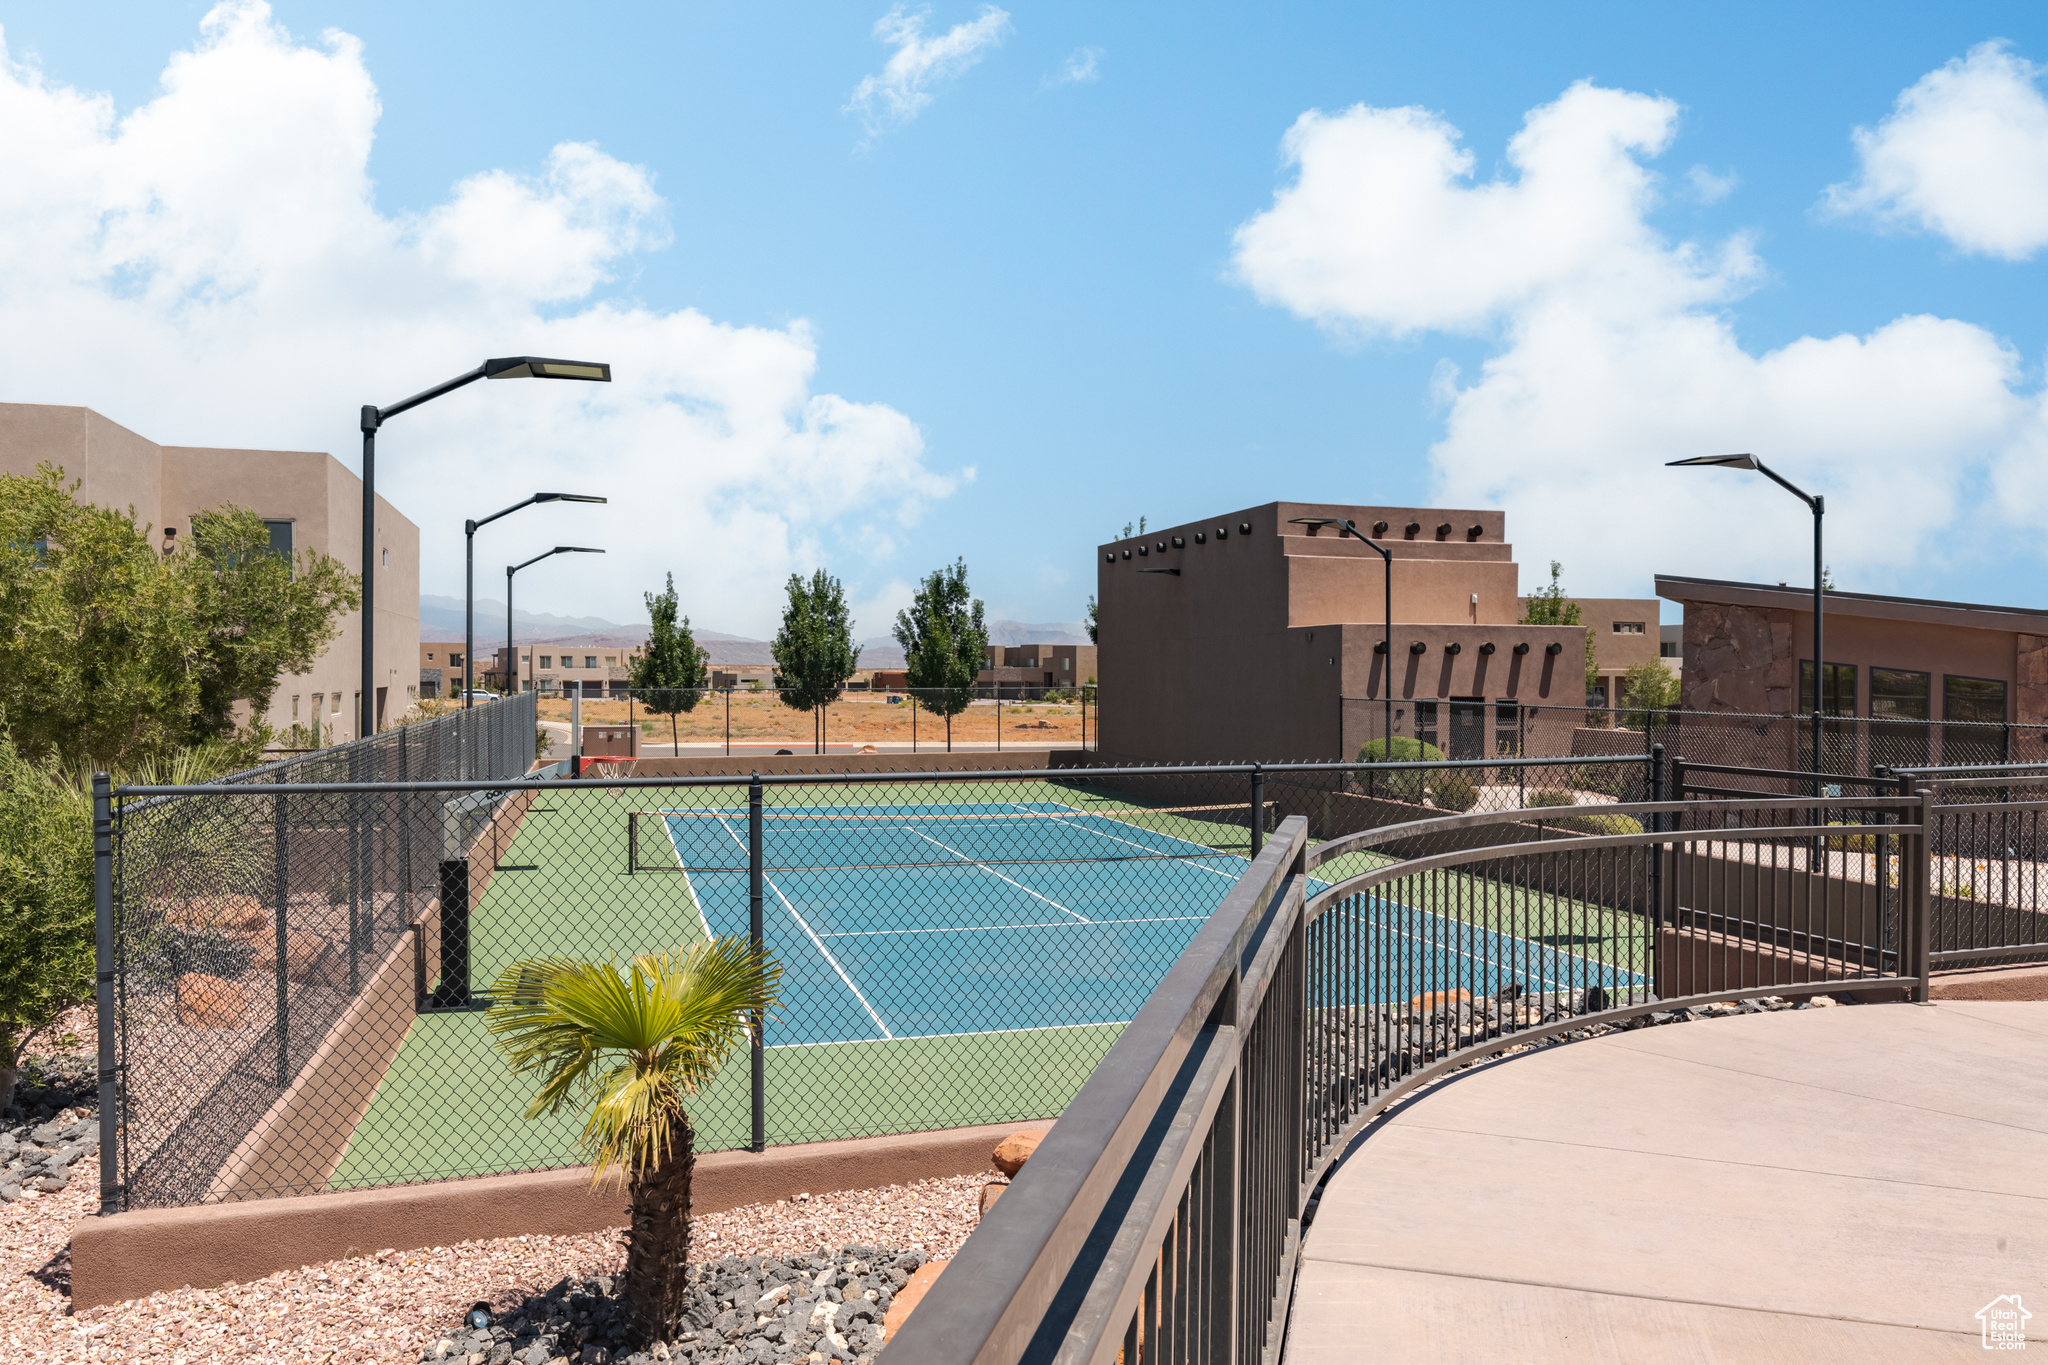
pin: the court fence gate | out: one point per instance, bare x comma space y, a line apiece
296, 964
1162, 1218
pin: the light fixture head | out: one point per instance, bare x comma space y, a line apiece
577, 550
540, 367
1714, 462
568, 497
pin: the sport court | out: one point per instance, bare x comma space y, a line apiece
946, 961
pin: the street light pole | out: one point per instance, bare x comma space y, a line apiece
1818, 504
1387, 670
373, 417
469, 529
511, 646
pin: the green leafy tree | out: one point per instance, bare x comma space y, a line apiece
1549, 606
945, 643
46, 904
814, 650
114, 654
669, 677
1651, 689
1091, 620
632, 1047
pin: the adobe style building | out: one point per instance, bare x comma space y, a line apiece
1023, 670
1749, 648
441, 668
1252, 636
567, 668
308, 499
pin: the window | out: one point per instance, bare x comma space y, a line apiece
1066, 664
430, 656
610, 659
526, 659
1898, 695
295, 708
337, 705
1667, 649
319, 699
1978, 699
387, 558
280, 537
1596, 695
1899, 702
1841, 689
455, 661
1425, 722
590, 661
547, 661
1628, 627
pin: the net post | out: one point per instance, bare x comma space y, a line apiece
104, 951
1258, 808
758, 1140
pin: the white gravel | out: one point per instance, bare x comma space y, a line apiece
390, 1306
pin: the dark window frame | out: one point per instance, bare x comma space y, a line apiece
1834, 673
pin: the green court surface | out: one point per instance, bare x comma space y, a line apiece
449, 1105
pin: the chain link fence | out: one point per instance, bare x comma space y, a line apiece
302, 968
687, 722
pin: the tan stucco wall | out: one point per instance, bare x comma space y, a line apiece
128, 1255
165, 485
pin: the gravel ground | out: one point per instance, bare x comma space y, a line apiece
395, 1306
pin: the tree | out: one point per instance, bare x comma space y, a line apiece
46, 904
669, 677
1549, 606
1651, 689
814, 650
945, 643
633, 1047
1091, 620
114, 654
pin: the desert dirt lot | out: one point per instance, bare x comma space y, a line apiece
856, 718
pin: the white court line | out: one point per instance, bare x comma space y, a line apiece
1557, 954
1189, 859
991, 928
993, 873
684, 865
806, 924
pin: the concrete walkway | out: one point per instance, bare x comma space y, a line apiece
1810, 1186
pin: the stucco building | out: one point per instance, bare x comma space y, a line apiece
309, 500
1252, 636
1921, 668
1028, 669
566, 668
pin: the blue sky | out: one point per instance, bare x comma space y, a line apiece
1037, 279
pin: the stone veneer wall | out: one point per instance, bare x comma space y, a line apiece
1740, 659
2030, 692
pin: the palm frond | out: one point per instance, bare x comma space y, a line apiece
633, 1044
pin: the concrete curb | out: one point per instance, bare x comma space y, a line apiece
128, 1255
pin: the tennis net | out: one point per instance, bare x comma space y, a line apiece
869, 837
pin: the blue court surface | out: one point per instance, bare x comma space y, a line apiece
1403, 951
935, 920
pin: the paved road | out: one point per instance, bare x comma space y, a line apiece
1810, 1186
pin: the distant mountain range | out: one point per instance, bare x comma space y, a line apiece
441, 619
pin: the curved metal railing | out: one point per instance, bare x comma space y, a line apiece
1162, 1217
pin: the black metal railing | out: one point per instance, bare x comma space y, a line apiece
1162, 1217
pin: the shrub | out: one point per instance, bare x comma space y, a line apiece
1618, 780
1851, 843
1592, 822
1401, 786
1551, 797
1454, 790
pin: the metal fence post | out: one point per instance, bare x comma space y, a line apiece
1258, 808
759, 1139
104, 954
281, 869
1917, 943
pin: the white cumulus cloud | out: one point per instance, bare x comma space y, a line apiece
904, 87
212, 268
1083, 66
1963, 154
1612, 353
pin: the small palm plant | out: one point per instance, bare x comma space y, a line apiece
633, 1046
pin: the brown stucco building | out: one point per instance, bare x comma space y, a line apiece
1248, 636
1908, 681
310, 502
1023, 670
